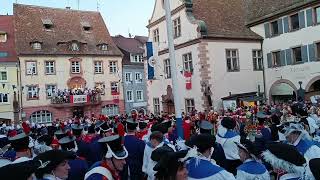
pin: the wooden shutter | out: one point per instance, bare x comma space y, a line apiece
304, 53
267, 30
282, 58
280, 26
269, 59
286, 24
302, 23
309, 17
312, 52
288, 56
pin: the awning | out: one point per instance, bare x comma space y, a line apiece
282, 89
241, 95
253, 99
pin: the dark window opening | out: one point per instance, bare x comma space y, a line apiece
275, 28
294, 22
297, 54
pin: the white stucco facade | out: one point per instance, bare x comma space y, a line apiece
291, 73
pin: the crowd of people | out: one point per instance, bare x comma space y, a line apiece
249, 143
63, 96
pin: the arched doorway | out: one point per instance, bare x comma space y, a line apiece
76, 82
282, 91
41, 117
313, 90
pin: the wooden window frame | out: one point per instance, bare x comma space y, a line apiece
94, 67
37, 87
54, 67
231, 57
26, 67
257, 58
46, 88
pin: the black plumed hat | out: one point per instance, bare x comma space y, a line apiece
131, 124
113, 147
228, 123
205, 127
19, 142
201, 141
22, 170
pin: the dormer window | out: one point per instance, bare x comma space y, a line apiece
74, 46
36, 45
3, 36
47, 24
103, 47
86, 26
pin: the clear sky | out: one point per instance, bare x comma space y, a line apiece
121, 16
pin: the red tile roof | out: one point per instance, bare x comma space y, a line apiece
67, 27
6, 25
130, 45
223, 18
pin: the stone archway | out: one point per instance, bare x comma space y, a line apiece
311, 82
279, 82
76, 82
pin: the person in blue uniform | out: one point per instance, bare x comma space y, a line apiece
135, 148
201, 167
78, 166
77, 130
112, 163
22, 170
20, 144
94, 148
218, 152
251, 169
298, 137
227, 138
54, 164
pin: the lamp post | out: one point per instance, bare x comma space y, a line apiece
175, 85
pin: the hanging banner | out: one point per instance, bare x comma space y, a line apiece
79, 99
151, 60
188, 76
115, 96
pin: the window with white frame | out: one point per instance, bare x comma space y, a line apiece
167, 68
139, 94
138, 77
110, 110
41, 117
156, 105
98, 67
232, 57
74, 46
36, 45
317, 14
51, 90
113, 67
257, 60
33, 92
75, 67
4, 98
114, 87
276, 59
31, 67
50, 67
3, 37
3, 76
103, 47
156, 36
138, 58
189, 105
177, 27
128, 77
129, 96
187, 62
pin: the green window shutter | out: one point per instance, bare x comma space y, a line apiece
302, 23
288, 56
280, 26
282, 58
269, 59
309, 17
312, 52
304, 53
267, 30
286, 24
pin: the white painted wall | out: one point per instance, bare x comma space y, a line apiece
223, 82
62, 65
294, 73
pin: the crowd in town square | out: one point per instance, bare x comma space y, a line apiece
248, 143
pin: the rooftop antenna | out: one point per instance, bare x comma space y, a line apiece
129, 33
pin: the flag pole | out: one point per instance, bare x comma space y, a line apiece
175, 84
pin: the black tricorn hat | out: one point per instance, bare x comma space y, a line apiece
228, 123
201, 141
19, 142
77, 129
314, 166
25, 169
47, 139
249, 147
131, 124
205, 127
113, 147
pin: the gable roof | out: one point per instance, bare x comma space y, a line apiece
67, 27
8, 47
131, 45
223, 18
262, 10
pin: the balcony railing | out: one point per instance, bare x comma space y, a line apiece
76, 100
